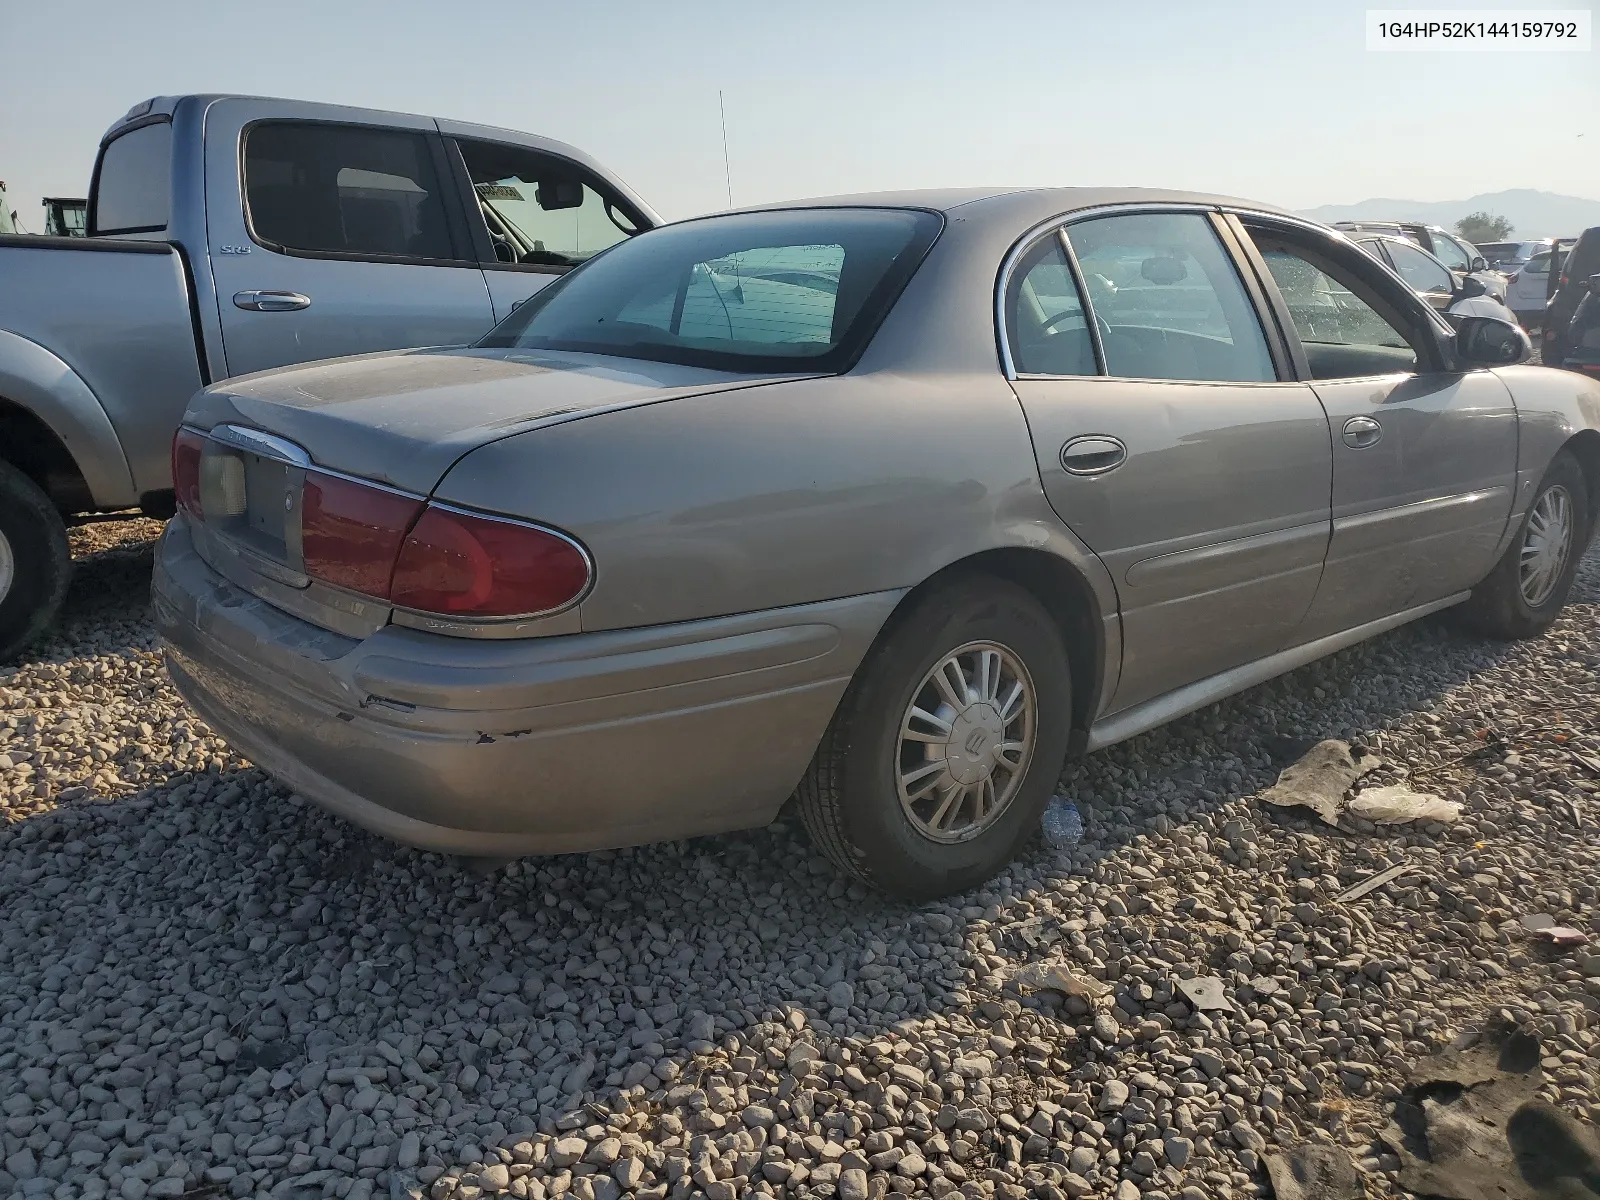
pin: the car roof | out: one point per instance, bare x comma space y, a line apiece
168, 106
1373, 235
1018, 203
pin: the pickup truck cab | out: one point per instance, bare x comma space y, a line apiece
233, 234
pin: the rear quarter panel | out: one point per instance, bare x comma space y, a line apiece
1553, 407
778, 495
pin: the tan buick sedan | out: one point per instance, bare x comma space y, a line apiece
892, 501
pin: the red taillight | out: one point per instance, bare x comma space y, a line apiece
458, 564
351, 532
186, 448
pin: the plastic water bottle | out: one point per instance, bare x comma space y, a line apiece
1062, 823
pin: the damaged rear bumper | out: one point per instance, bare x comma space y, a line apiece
512, 747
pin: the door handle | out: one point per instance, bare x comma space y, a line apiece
1361, 432
269, 301
1092, 454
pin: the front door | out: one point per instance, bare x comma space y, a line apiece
352, 237
1424, 458
1199, 478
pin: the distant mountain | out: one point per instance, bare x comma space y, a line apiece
1532, 214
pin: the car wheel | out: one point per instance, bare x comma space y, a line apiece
35, 561
1525, 592
947, 744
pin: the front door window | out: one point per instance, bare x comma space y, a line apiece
542, 211
1343, 332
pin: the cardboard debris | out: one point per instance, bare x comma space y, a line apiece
1055, 977
1205, 993
1320, 779
1543, 925
1371, 883
1314, 1172
1562, 935
1398, 804
1470, 1126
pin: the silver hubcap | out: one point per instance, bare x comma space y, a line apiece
966, 742
1546, 545
8, 566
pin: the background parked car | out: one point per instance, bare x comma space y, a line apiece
229, 234
1572, 283
1507, 257
750, 507
1444, 289
1527, 291
1451, 249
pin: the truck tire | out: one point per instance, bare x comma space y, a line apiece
35, 561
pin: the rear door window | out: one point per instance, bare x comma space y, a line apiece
348, 191
133, 187
1170, 301
1045, 318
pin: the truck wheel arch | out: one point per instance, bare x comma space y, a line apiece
47, 411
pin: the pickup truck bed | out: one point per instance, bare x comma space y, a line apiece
82, 318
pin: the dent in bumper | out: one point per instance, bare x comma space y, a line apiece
545, 745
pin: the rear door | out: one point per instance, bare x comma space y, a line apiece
1169, 442
351, 236
1424, 456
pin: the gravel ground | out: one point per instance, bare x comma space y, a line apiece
209, 987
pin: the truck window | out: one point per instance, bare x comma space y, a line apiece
133, 186
541, 210
346, 190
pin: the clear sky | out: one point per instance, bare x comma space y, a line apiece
1279, 102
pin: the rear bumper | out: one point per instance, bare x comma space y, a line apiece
533, 746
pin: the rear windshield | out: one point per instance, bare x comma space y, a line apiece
798, 289
133, 189
1584, 260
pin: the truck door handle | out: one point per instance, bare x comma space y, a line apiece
1361, 432
1092, 454
268, 301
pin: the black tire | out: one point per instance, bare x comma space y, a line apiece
1499, 607
849, 798
40, 558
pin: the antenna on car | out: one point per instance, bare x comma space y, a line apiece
727, 175
727, 172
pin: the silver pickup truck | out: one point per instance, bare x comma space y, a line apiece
231, 234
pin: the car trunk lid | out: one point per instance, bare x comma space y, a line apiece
402, 418
399, 420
